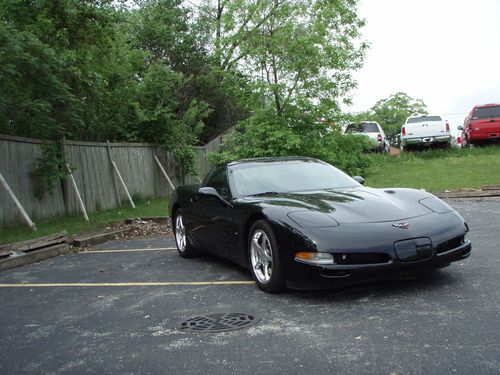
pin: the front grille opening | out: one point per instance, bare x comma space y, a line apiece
450, 244
361, 258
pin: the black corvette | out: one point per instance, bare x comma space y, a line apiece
303, 224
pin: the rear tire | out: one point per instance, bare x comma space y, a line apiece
264, 259
184, 247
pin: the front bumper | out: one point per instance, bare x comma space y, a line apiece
308, 277
426, 141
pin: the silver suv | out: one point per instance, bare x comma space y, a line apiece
372, 130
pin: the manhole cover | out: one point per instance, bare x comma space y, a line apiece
217, 322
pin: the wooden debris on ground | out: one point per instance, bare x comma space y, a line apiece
31, 251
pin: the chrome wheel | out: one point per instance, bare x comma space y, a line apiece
180, 233
261, 255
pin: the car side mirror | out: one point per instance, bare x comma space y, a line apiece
208, 191
359, 179
460, 127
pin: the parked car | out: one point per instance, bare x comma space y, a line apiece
372, 130
482, 125
425, 131
303, 224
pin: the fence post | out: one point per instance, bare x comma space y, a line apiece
18, 204
64, 181
117, 193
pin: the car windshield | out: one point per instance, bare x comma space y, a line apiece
486, 112
364, 127
413, 120
287, 176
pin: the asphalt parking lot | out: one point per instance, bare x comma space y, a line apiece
115, 310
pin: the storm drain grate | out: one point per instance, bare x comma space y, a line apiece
214, 323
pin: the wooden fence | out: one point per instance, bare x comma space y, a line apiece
93, 173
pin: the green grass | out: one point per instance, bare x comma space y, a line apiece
75, 224
437, 170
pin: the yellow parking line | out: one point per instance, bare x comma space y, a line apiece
160, 283
126, 250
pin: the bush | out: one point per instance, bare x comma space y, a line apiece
267, 134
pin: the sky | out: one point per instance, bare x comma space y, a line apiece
445, 52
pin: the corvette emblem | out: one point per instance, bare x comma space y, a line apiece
401, 225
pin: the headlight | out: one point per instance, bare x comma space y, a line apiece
436, 205
314, 258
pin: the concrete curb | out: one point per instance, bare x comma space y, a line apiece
469, 194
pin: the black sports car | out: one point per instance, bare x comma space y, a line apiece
303, 224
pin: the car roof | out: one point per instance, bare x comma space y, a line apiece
485, 105
272, 159
417, 116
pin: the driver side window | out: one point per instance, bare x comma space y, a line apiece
218, 180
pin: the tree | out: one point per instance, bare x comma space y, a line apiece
299, 56
295, 51
392, 112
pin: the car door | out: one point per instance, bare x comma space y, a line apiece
209, 213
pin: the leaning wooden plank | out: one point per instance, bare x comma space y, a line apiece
115, 185
164, 173
34, 256
96, 238
79, 197
18, 204
123, 184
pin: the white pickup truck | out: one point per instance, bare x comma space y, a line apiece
425, 131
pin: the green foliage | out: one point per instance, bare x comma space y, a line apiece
175, 72
168, 118
294, 134
32, 88
49, 171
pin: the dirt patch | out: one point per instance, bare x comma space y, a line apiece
142, 229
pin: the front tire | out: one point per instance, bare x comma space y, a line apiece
184, 248
265, 264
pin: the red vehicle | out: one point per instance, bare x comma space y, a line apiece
481, 125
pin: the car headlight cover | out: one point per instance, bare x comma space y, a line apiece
436, 205
314, 258
312, 219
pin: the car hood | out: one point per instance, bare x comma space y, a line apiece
353, 205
